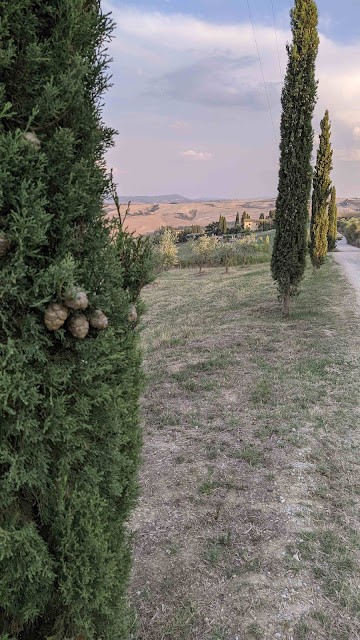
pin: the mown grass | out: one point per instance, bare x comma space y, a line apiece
251, 460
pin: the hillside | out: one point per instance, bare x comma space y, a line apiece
147, 216
167, 199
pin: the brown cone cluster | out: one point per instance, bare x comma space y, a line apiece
78, 324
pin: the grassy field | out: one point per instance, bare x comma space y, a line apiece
248, 521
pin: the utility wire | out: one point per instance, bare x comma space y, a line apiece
262, 72
277, 43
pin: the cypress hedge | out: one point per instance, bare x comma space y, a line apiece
295, 174
69, 386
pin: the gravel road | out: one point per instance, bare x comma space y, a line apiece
349, 258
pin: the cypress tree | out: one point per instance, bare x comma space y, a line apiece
220, 225
237, 221
298, 101
332, 230
321, 190
70, 436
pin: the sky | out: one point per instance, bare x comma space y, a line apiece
189, 102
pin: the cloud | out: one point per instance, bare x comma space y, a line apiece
196, 155
348, 155
180, 125
182, 32
217, 81
204, 77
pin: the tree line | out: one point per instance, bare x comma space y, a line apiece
296, 174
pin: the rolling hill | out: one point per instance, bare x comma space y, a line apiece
149, 213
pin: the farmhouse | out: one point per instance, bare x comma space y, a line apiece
250, 224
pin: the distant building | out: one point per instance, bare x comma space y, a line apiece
250, 224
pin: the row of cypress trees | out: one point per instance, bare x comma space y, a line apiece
296, 173
323, 225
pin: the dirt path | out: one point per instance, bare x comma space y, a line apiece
349, 258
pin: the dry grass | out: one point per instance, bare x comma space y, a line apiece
247, 526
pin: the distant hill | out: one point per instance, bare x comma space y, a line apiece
173, 198
151, 213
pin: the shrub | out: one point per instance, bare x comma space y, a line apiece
351, 230
203, 250
166, 251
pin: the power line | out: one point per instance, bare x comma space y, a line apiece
277, 43
262, 72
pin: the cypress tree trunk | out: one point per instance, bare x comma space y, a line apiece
321, 190
69, 435
332, 232
298, 101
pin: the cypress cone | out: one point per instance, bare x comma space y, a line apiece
298, 102
332, 230
98, 319
321, 190
79, 326
55, 316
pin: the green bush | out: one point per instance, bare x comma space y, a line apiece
351, 230
70, 436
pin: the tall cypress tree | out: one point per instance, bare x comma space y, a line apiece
332, 230
298, 101
220, 225
237, 221
69, 359
321, 191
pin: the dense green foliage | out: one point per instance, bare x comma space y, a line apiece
212, 229
222, 225
70, 437
298, 101
319, 225
332, 228
351, 230
237, 222
185, 233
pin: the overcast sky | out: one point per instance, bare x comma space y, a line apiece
189, 102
